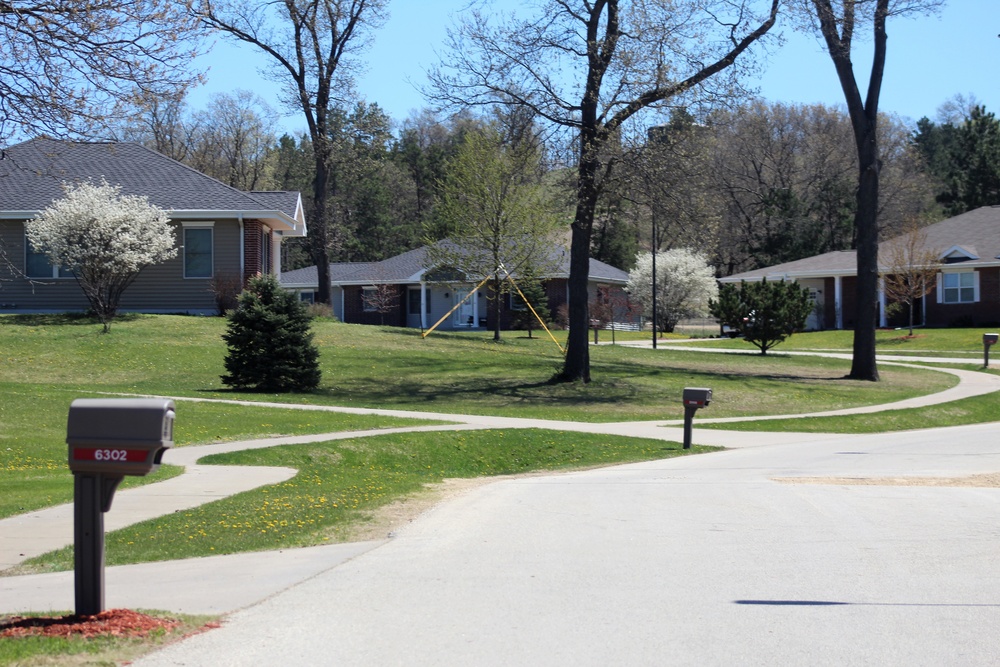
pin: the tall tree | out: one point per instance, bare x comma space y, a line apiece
838, 22
495, 209
310, 44
70, 66
965, 158
588, 67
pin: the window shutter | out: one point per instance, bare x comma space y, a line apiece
975, 286
940, 288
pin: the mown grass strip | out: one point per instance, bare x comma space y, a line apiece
33, 467
343, 483
975, 410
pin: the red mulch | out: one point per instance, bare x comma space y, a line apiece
114, 622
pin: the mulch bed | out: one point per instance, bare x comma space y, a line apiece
114, 623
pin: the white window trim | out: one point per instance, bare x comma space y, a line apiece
975, 288
190, 224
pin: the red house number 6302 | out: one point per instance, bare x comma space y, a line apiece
110, 455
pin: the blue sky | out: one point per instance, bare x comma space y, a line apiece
930, 59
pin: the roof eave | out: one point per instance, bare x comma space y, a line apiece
276, 220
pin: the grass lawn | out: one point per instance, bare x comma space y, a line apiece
342, 484
383, 367
33, 467
957, 343
976, 410
50, 360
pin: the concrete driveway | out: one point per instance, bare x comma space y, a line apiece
706, 560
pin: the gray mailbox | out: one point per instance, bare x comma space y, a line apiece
119, 436
989, 339
108, 438
696, 397
693, 398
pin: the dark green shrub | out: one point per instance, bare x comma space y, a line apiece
270, 344
765, 313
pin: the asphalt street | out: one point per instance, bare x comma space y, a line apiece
718, 559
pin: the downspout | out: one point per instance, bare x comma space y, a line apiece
243, 246
838, 296
423, 305
881, 303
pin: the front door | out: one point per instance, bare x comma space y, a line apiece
465, 314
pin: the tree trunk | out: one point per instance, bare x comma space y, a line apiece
863, 365
577, 364
318, 234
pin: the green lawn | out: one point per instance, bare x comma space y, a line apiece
957, 343
383, 367
341, 484
50, 360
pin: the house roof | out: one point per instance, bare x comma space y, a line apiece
971, 239
32, 175
409, 267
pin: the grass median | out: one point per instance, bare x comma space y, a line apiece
343, 486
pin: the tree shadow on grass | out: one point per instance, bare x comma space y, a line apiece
63, 319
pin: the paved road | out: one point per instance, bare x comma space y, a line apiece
702, 560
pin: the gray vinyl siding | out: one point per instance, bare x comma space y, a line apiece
160, 288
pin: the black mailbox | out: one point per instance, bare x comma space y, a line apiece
119, 436
693, 398
696, 397
990, 338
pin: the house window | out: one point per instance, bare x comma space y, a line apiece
959, 287
369, 299
198, 247
307, 297
413, 306
37, 265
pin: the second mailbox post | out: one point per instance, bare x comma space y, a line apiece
693, 398
989, 340
108, 438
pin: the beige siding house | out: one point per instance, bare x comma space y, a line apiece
224, 235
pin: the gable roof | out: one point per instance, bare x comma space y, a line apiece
410, 267
32, 175
972, 238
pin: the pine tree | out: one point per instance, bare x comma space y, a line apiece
270, 344
766, 313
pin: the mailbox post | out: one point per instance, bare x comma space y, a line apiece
989, 339
108, 438
693, 398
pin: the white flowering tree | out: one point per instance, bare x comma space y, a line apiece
103, 237
684, 284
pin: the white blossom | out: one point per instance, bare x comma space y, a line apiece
684, 284
103, 237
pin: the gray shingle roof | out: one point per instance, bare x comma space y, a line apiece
408, 266
977, 232
32, 174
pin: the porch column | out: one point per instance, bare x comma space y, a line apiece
881, 303
423, 305
838, 300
